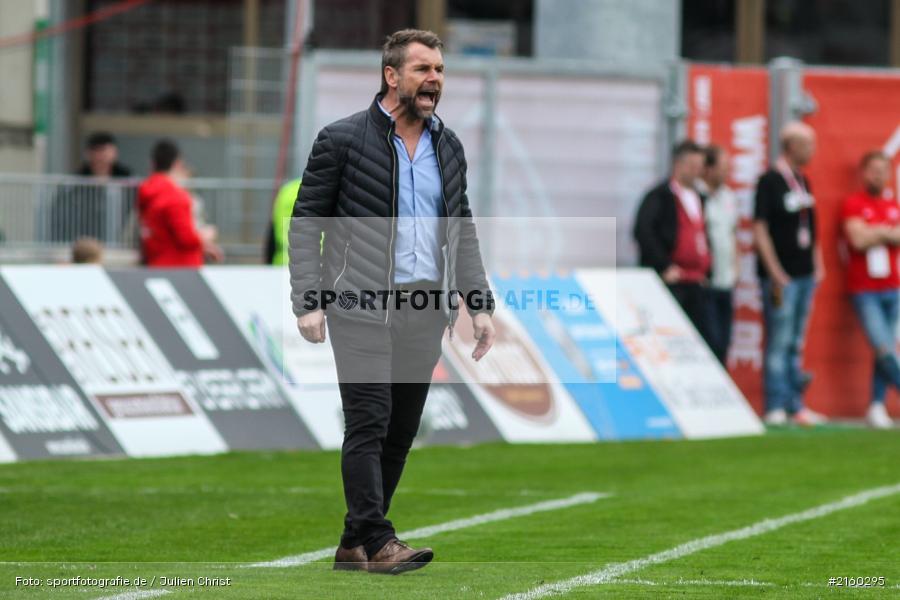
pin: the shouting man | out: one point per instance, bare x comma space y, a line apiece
387, 186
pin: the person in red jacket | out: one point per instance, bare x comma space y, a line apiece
169, 236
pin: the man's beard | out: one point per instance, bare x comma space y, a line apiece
411, 109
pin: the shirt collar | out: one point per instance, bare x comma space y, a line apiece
701, 186
384, 110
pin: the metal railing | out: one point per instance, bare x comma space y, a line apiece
46, 211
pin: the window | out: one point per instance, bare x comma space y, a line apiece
707, 30
170, 56
359, 24
835, 32
490, 26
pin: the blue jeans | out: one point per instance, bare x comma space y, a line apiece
877, 312
784, 379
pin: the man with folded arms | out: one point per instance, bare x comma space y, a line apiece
871, 218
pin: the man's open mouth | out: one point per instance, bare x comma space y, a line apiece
428, 97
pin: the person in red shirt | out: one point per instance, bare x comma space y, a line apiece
871, 219
169, 236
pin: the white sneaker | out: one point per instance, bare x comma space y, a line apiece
877, 416
809, 417
776, 417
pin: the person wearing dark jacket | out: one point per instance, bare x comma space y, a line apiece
102, 158
387, 186
82, 211
671, 234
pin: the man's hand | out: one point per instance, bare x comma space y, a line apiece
818, 265
819, 274
781, 278
212, 252
483, 328
892, 235
312, 326
672, 274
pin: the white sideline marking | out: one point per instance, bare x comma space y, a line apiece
136, 595
424, 532
614, 570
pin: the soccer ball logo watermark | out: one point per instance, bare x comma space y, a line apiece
348, 300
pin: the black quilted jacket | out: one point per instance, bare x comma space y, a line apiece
350, 192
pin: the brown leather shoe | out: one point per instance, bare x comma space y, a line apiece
395, 557
350, 559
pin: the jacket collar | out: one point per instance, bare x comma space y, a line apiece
377, 115
384, 122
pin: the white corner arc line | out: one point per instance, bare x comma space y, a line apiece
456, 525
614, 570
136, 595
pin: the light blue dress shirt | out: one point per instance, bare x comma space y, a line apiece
417, 249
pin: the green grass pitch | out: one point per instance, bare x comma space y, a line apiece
212, 516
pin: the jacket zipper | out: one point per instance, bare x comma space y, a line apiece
437, 153
344, 268
390, 281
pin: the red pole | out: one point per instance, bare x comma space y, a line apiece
76, 23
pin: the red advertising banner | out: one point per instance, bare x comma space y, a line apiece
856, 113
729, 107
